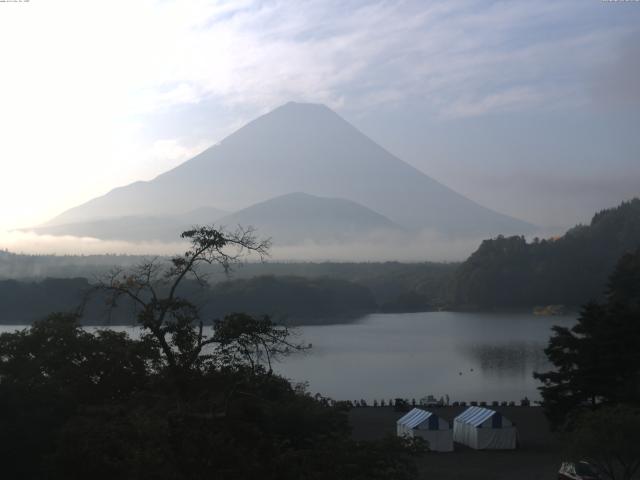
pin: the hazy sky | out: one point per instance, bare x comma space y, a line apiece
529, 107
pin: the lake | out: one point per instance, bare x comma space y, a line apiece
468, 356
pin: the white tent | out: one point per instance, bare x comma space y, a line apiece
484, 429
426, 425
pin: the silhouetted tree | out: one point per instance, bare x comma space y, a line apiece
167, 317
241, 339
177, 403
53, 370
597, 361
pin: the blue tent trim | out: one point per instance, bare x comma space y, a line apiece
418, 417
476, 416
496, 420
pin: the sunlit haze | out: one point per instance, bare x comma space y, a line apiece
529, 108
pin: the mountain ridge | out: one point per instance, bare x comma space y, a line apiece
298, 217
309, 148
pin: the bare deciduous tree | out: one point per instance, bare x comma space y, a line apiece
152, 286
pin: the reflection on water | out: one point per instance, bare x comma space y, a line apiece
516, 359
468, 356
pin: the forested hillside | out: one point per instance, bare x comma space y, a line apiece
570, 270
292, 300
38, 284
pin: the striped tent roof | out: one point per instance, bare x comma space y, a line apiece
414, 418
475, 415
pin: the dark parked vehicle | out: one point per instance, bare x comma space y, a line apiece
577, 471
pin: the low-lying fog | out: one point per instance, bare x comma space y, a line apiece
424, 246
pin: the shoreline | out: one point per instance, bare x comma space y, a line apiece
341, 318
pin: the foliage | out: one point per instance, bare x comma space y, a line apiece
608, 439
167, 317
178, 403
22, 301
598, 360
294, 299
291, 298
242, 339
77, 404
48, 372
570, 270
56, 283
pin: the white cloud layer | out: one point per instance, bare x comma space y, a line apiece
424, 246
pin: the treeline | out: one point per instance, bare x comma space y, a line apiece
17, 266
570, 270
293, 293
24, 302
291, 299
288, 299
385, 279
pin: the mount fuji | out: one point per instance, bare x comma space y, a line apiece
297, 147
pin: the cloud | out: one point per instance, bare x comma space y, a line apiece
466, 56
78, 77
616, 83
30, 243
554, 198
424, 246
463, 58
508, 100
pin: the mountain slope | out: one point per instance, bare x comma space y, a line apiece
570, 270
134, 228
301, 147
296, 217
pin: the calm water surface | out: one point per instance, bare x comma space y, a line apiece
469, 356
